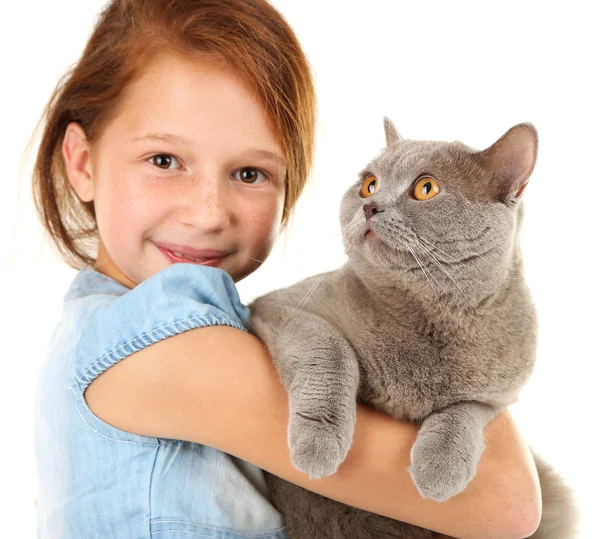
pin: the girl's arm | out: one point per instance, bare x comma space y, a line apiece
217, 386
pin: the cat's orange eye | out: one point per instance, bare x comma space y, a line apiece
369, 186
425, 188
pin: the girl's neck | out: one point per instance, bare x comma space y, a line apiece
106, 266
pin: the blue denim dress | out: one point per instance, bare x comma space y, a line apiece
96, 481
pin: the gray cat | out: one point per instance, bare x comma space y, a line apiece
430, 320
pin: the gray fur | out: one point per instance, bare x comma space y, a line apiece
430, 320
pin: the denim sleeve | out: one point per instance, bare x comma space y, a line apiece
176, 299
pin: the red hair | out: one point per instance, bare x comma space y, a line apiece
249, 36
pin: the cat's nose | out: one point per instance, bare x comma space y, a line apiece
371, 209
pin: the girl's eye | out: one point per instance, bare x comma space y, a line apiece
164, 161
250, 175
369, 186
425, 188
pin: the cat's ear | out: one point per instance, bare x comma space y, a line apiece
391, 133
511, 160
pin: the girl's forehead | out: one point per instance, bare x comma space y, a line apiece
178, 81
189, 99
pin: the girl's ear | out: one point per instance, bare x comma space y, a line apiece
76, 154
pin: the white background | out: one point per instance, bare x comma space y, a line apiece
440, 70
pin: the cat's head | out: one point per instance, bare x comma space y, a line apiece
439, 214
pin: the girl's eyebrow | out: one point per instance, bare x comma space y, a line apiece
251, 152
266, 154
163, 137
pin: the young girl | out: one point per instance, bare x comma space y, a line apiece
171, 158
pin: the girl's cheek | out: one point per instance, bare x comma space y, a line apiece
148, 199
265, 223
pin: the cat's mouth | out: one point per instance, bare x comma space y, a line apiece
370, 235
386, 253
373, 237
377, 231
397, 246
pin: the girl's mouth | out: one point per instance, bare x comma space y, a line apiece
174, 257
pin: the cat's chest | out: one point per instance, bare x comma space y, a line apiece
408, 369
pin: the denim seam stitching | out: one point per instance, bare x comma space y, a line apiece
258, 534
183, 531
150, 491
108, 437
199, 534
134, 343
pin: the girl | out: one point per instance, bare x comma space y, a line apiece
171, 157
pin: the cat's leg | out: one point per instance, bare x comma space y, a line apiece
319, 370
448, 447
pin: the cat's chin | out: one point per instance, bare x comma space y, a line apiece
377, 252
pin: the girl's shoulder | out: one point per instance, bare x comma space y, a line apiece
113, 321
171, 286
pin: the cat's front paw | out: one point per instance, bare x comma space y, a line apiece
441, 467
317, 447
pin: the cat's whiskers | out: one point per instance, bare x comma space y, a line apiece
307, 296
256, 260
450, 259
429, 271
432, 257
424, 273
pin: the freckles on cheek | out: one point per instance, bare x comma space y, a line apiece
265, 226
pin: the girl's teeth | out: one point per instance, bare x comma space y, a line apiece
180, 255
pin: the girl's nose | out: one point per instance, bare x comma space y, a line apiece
207, 206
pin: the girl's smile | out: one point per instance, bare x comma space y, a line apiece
184, 253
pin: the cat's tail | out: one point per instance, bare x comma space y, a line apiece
560, 515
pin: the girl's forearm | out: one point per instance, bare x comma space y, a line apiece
502, 501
